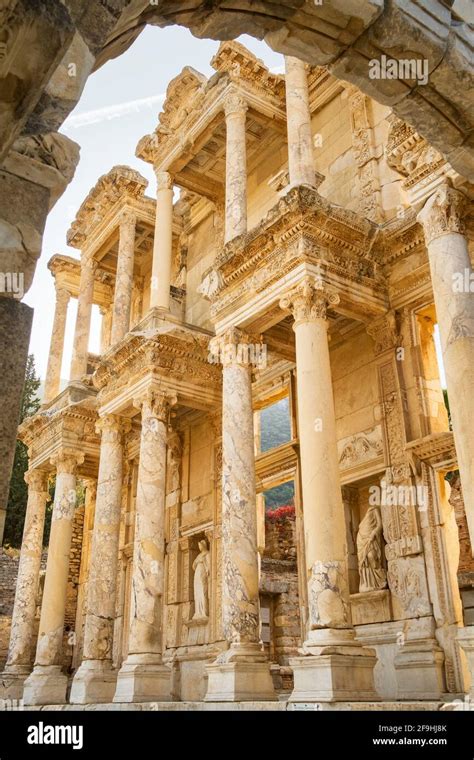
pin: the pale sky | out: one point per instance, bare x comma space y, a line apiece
120, 103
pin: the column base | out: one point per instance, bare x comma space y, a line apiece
241, 674
46, 685
335, 668
93, 683
420, 671
12, 681
466, 641
142, 679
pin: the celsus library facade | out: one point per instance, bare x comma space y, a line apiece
306, 248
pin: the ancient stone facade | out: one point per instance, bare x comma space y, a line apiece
308, 257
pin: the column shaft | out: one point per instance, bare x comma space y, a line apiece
452, 279
143, 677
53, 372
298, 116
20, 651
47, 684
83, 319
124, 277
236, 167
163, 243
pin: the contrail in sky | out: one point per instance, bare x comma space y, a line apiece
111, 112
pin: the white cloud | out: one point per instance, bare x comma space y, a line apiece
111, 112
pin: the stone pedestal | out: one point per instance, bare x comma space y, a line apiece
143, 677
124, 277
163, 243
420, 671
53, 372
243, 672
466, 641
451, 277
20, 650
95, 680
83, 318
236, 167
340, 666
47, 684
300, 145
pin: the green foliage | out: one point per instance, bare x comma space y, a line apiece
18, 493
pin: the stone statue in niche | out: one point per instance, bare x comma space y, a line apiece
373, 576
201, 567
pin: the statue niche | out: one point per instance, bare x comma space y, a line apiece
201, 567
372, 574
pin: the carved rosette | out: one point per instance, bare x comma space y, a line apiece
309, 300
442, 213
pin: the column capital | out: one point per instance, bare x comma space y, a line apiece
443, 213
66, 461
309, 300
37, 481
236, 347
62, 294
164, 180
111, 427
128, 217
155, 404
235, 104
385, 332
88, 261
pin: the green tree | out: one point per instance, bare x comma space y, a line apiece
18, 493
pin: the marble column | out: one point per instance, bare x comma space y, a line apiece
95, 680
235, 109
143, 677
20, 650
453, 290
53, 372
162, 243
124, 276
242, 673
47, 684
330, 635
298, 119
83, 319
105, 328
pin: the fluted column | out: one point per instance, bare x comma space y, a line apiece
143, 677
330, 633
124, 276
53, 372
235, 109
83, 319
47, 684
243, 672
95, 679
298, 119
453, 290
162, 243
20, 650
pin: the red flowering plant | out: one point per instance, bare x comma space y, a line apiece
286, 511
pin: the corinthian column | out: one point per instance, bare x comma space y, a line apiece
235, 109
53, 372
298, 119
143, 677
452, 279
95, 680
162, 243
20, 650
330, 634
124, 276
243, 672
83, 319
47, 684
